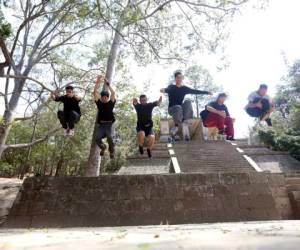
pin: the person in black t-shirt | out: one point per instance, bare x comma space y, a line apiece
105, 103
216, 115
179, 110
144, 125
71, 112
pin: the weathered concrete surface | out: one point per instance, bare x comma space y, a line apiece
210, 157
273, 235
121, 200
270, 160
293, 188
9, 188
141, 164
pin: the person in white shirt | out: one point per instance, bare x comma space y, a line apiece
260, 105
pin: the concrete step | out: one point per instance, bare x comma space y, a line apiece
9, 188
210, 157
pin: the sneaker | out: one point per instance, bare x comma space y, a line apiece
174, 131
102, 149
66, 132
71, 132
149, 153
230, 138
269, 122
141, 149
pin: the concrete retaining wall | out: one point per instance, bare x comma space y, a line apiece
119, 200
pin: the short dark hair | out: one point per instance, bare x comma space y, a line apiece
222, 95
142, 96
263, 86
177, 73
104, 93
69, 88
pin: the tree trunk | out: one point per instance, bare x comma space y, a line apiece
197, 107
94, 160
8, 114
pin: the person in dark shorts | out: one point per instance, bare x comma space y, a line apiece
260, 105
71, 111
105, 103
216, 114
144, 126
179, 110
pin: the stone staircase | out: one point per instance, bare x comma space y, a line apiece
210, 157
213, 182
269, 160
293, 188
9, 189
141, 164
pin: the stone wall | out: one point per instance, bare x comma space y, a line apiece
119, 200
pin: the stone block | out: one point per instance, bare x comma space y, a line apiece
257, 201
236, 178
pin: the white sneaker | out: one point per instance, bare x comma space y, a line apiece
174, 131
71, 132
66, 132
186, 131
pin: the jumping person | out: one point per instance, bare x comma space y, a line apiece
71, 111
179, 110
144, 126
216, 115
260, 105
105, 103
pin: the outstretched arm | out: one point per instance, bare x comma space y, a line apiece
96, 95
111, 90
197, 92
158, 102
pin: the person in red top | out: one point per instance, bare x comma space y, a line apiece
216, 115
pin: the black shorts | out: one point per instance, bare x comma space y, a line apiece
147, 128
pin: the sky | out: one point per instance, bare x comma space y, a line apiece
261, 43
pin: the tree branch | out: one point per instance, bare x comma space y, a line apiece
27, 78
26, 145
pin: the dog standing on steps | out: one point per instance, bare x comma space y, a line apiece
212, 134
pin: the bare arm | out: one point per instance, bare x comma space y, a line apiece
159, 101
112, 92
134, 101
96, 95
54, 95
254, 105
213, 110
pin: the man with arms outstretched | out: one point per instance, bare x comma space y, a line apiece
260, 105
144, 126
179, 110
71, 112
105, 103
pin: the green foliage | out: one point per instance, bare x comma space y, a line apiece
5, 27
